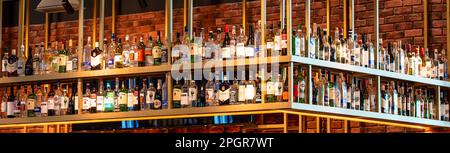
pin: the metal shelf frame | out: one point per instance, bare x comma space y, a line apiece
285, 108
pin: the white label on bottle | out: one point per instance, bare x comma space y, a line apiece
130, 99
177, 94
122, 98
192, 94
270, 88
269, 45
93, 102
44, 107
64, 102
12, 67
62, 60
69, 66
241, 96
224, 95
395, 99
297, 46
156, 52
100, 106
118, 58
95, 61
278, 88
51, 104
232, 50
86, 103
76, 102
10, 108
240, 50
249, 51
151, 97
30, 104
277, 43
4, 107
226, 52
4, 69
357, 98
209, 94
184, 99
249, 92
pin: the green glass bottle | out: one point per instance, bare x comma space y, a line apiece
109, 98
123, 98
63, 54
31, 102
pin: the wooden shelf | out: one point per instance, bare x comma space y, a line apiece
369, 115
143, 115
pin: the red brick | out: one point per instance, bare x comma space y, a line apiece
392, 3
413, 32
395, 129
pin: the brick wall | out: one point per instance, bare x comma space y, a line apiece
399, 19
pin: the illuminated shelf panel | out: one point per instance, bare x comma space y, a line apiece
369, 115
363, 70
142, 115
237, 62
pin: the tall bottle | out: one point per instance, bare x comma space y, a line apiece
118, 55
96, 58
64, 102
284, 44
87, 55
143, 95
250, 45
224, 92
36, 59
149, 49
110, 52
156, 51
69, 63
122, 98
209, 91
21, 61
100, 97
277, 40
29, 63
63, 58
12, 64
130, 95
87, 99
176, 94
109, 98
31, 102
10, 104
5, 64
158, 95
270, 42
226, 53
126, 51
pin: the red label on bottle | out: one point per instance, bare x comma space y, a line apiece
283, 37
141, 57
295, 91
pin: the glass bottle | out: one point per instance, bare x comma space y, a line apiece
96, 58
29, 63
122, 98
158, 95
148, 51
126, 51
224, 92
185, 95
193, 93
87, 55
226, 53
118, 55
270, 42
87, 99
130, 95
100, 98
64, 101
209, 92
21, 61
111, 52
176, 94
62, 67
156, 51
109, 98
5, 64
36, 59
12, 64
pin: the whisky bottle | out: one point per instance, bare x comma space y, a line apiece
209, 92
87, 99
151, 93
176, 94
12, 64
257, 38
251, 92
270, 42
133, 53
234, 92
100, 97
122, 98
226, 53
21, 61
233, 42
357, 52
331, 90
277, 41
29, 63
126, 52
312, 41
250, 45
69, 63
185, 95
10, 104
337, 46
111, 52
36, 59
224, 92
62, 58
118, 55
301, 86
44, 102
136, 105
96, 58
148, 51
193, 93
284, 44
5, 65
143, 95
31, 102
130, 95
270, 96
64, 100
109, 98
158, 95
357, 95
93, 99
156, 51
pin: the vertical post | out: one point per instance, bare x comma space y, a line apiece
317, 124
27, 27
310, 85
190, 11
352, 18
282, 11
1, 22
328, 125
94, 24
345, 18
377, 38
244, 15
285, 122
80, 54
437, 100
378, 84
307, 21
263, 24
46, 28
328, 17
300, 124
345, 126
288, 4
21, 20
448, 32
102, 26
169, 27
113, 16
185, 13
425, 23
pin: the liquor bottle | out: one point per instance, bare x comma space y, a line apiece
109, 98
96, 58
143, 95
217, 88
337, 46
201, 97
158, 95
185, 95
395, 58
224, 92
343, 90
10, 104
31, 102
252, 90
270, 42
240, 44
87, 99
270, 89
278, 88
165, 96
55, 59
130, 95
16, 110
118, 55
69, 63
357, 95
64, 102
133, 53
36, 59
148, 51
326, 48
156, 51
126, 51
70, 96
12, 64
364, 52
5, 64
312, 41
62, 67
209, 92
301, 86
350, 87
428, 64
357, 51
371, 52
226, 53
445, 62
100, 97
320, 89
110, 52
318, 44
277, 41
284, 44
87, 55
176, 49
4, 103
136, 104
21, 61
257, 38
58, 98
29, 63
233, 41
122, 98
418, 67
297, 42
176, 94
234, 92
331, 90
250, 45
193, 93
151, 93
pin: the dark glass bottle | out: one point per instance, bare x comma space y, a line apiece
51, 102
11, 105
12, 64
29, 63
284, 41
71, 107
224, 92
63, 56
156, 52
96, 58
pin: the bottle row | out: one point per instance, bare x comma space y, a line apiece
405, 59
345, 91
136, 94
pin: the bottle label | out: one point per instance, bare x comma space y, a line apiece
278, 88
302, 86
44, 108
109, 101
224, 95
297, 46
76, 103
69, 66
156, 52
270, 88
240, 50
64, 101
10, 108
184, 99
277, 43
151, 97
192, 94
441, 70
357, 98
283, 41
30, 104
249, 51
118, 59
233, 96
4, 67
249, 92
157, 104
12, 67
4, 107
95, 61
100, 106
177, 94
51, 104
209, 94
63, 60
241, 90
226, 52
122, 98
131, 98
269, 45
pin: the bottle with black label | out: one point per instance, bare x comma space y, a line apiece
10, 106
12, 64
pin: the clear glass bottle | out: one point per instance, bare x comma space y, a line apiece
21, 61
149, 49
185, 95
12, 64
126, 52
87, 55
209, 92
100, 97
